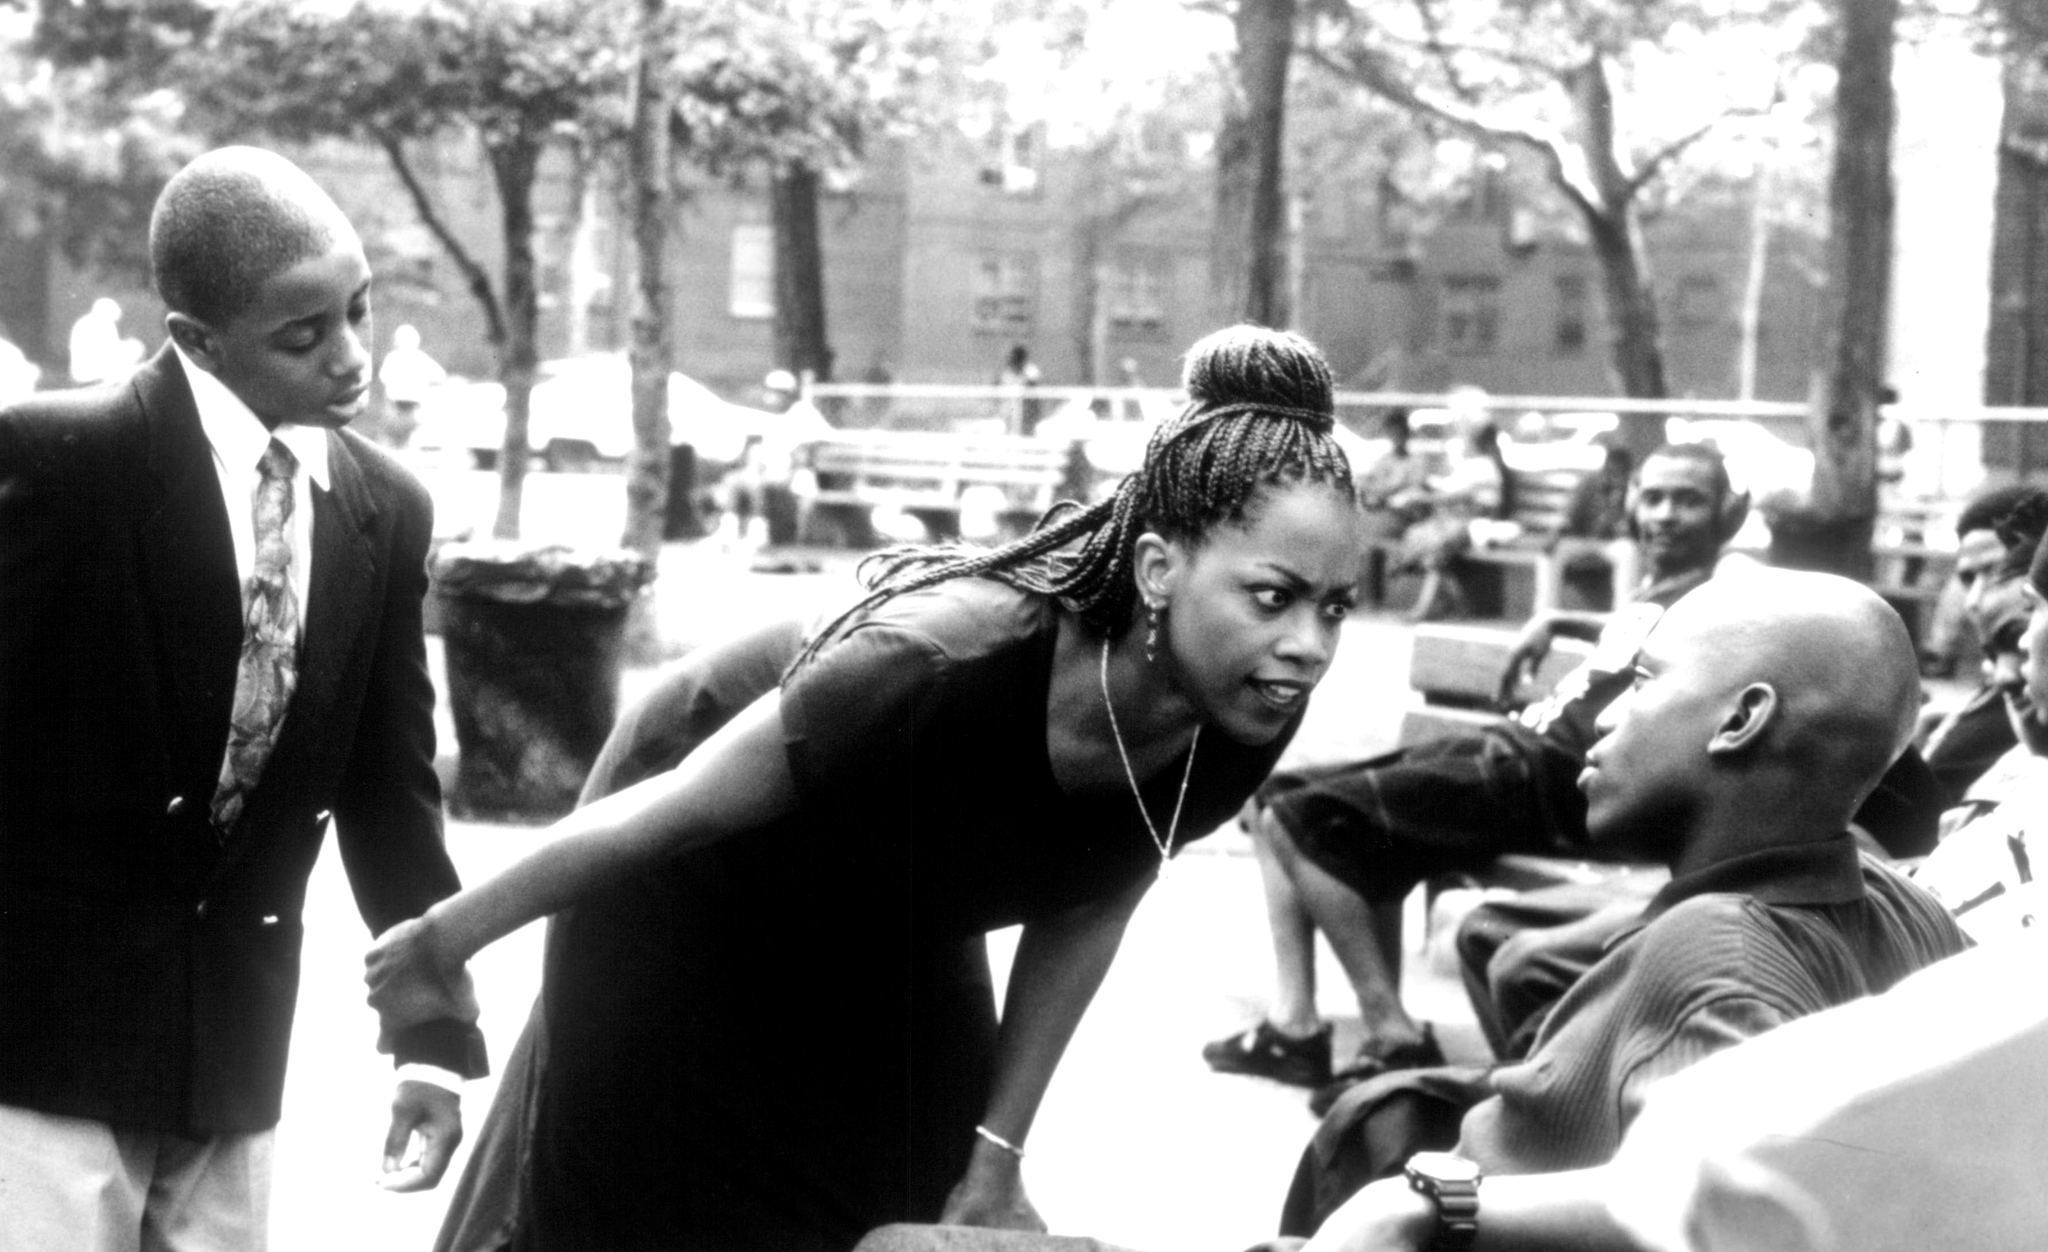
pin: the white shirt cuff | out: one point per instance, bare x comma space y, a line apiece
416, 1071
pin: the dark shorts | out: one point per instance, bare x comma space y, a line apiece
1447, 805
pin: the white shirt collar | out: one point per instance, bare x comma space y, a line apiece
239, 437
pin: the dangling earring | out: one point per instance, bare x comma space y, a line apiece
1151, 633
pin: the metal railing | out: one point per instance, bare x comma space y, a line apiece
1943, 466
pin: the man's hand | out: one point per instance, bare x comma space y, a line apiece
426, 1126
1524, 659
991, 1194
411, 982
1388, 1216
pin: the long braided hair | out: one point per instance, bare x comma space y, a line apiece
1260, 414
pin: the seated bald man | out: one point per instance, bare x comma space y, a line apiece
1764, 707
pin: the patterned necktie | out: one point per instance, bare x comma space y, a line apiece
270, 640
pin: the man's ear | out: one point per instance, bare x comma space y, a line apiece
1756, 706
196, 338
1155, 564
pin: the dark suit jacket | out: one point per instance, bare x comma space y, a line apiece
149, 968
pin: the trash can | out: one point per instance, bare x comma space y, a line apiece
533, 637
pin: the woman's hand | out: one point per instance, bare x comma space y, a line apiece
991, 1194
413, 980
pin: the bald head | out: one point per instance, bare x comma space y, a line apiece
1836, 656
1765, 707
231, 220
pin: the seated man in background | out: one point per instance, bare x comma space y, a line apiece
1340, 845
1994, 541
1984, 869
1764, 709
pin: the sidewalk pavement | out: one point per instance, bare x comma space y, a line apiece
1137, 1144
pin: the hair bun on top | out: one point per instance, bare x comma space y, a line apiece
1245, 368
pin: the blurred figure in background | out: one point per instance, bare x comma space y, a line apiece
98, 352
1394, 490
788, 483
1020, 416
1598, 510
408, 374
1394, 493
1599, 504
1472, 486
1995, 538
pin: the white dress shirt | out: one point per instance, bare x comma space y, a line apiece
239, 440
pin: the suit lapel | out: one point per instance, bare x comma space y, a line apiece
339, 593
188, 561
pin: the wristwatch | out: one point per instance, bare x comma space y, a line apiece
1453, 1182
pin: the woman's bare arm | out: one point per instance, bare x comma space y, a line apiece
737, 779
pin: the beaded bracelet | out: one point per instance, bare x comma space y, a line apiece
1000, 1142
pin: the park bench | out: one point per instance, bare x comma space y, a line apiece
935, 477
1524, 571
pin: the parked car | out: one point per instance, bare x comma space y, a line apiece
580, 413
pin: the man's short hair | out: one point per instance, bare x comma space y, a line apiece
227, 223
1699, 454
1993, 505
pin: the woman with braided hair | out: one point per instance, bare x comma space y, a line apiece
1019, 735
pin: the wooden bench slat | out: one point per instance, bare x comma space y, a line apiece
1463, 663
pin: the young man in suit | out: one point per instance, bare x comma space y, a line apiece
210, 643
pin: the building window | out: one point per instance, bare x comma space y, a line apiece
1015, 160
1484, 196
1471, 314
753, 271
1573, 304
1136, 298
1699, 300
1005, 293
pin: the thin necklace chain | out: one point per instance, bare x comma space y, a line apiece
1165, 845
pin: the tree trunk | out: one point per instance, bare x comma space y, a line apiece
1753, 283
1297, 258
582, 247
1608, 207
1230, 232
1088, 318
801, 344
1634, 349
647, 471
1843, 425
1265, 44
513, 161
2016, 348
